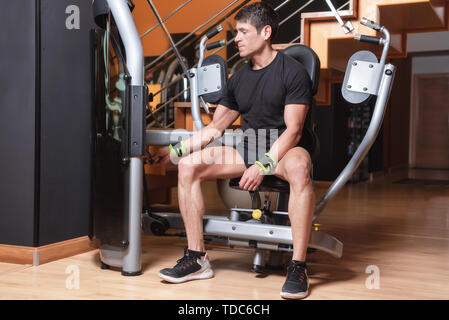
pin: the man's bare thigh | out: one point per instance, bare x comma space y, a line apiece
216, 162
293, 156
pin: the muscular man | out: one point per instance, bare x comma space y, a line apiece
272, 91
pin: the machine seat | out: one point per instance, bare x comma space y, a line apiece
270, 183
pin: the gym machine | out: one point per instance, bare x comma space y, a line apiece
263, 230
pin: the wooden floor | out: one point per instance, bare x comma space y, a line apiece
401, 229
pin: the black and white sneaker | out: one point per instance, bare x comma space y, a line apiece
193, 265
296, 285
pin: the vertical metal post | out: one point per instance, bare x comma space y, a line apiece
131, 263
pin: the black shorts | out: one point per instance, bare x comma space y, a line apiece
252, 152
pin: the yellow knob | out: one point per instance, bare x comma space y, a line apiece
257, 214
316, 226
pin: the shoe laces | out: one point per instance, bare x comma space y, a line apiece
186, 260
296, 272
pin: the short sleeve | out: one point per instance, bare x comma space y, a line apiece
228, 100
298, 86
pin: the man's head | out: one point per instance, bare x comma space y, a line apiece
256, 26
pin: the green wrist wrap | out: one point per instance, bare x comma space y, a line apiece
178, 151
267, 163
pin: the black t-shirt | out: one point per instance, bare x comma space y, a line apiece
261, 95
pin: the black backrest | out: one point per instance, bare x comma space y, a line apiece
309, 59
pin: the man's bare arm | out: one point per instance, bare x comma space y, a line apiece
294, 117
222, 119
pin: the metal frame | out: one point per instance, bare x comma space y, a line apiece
129, 257
385, 82
251, 233
255, 234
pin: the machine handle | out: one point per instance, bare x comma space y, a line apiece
215, 44
213, 32
370, 24
363, 38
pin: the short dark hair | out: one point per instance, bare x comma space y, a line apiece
259, 14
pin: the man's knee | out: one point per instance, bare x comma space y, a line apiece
298, 173
187, 170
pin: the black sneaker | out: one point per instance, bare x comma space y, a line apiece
296, 285
192, 266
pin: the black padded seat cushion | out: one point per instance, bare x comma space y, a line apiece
270, 183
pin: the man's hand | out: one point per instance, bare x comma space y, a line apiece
161, 156
252, 178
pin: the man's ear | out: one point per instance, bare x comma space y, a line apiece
266, 32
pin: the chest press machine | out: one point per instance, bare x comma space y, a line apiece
264, 230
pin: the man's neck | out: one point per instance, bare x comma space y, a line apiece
263, 58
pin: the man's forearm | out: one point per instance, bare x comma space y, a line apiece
201, 138
287, 140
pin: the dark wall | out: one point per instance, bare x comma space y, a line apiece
45, 128
340, 128
396, 121
17, 122
330, 129
66, 121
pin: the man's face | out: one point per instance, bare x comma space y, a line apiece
248, 41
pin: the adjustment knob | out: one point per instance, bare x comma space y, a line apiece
257, 214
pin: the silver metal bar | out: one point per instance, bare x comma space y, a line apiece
175, 81
365, 145
281, 5
235, 55
344, 5
172, 44
251, 210
187, 36
202, 49
166, 18
386, 43
260, 245
134, 60
168, 102
165, 137
168, 136
195, 103
227, 44
347, 27
133, 46
296, 12
294, 40
336, 14
268, 235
